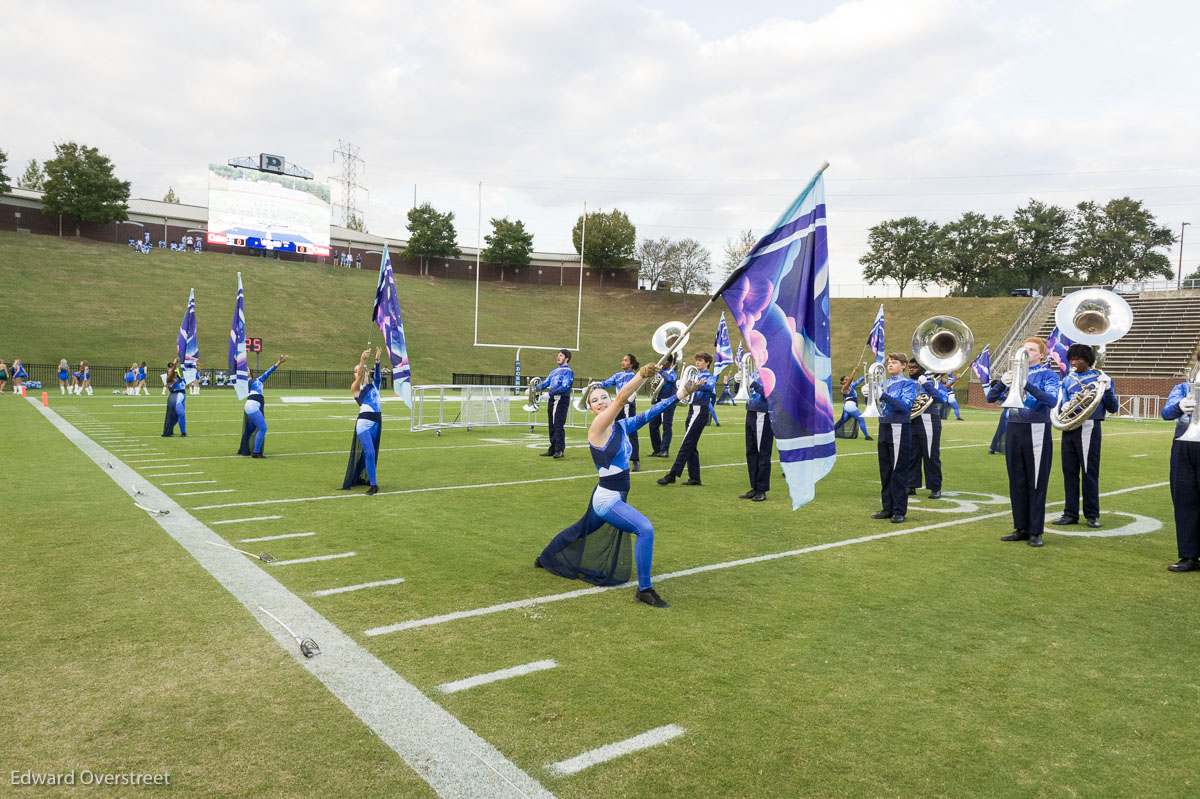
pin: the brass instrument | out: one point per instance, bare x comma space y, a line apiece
1095, 317
1018, 368
668, 341
872, 389
687, 375
746, 370
581, 404
533, 395
941, 344
1192, 434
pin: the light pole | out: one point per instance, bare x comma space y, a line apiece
1179, 277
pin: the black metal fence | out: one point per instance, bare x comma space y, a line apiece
114, 377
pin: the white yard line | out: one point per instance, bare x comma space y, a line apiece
440, 748
275, 537
251, 519
345, 589
189, 482
170, 474
314, 559
165, 466
198, 493
495, 676
658, 735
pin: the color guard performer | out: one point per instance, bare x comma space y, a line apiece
368, 427
1081, 446
895, 438
1185, 477
558, 385
254, 422
850, 405
176, 400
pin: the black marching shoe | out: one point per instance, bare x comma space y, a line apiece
374, 489
868, 438
912, 492
537, 563
748, 495
692, 481
666, 479
651, 598
760, 496
883, 514
1185, 565
635, 466
257, 455
1035, 540
935, 494
1065, 519
547, 454
1016, 535
1094, 524
898, 518
558, 455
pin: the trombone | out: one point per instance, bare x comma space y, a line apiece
1095, 317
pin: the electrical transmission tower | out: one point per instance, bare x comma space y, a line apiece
349, 181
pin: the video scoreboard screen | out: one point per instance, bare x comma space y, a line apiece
249, 208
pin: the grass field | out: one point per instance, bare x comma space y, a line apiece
916, 660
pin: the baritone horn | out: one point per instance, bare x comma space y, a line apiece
941, 345
1192, 434
1018, 368
581, 403
533, 396
668, 341
1095, 317
746, 370
876, 375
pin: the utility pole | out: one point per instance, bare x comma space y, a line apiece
349, 180
1179, 277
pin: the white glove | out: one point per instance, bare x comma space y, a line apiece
922, 380
1187, 405
1006, 378
1104, 381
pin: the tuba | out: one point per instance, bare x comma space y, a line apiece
581, 403
876, 379
942, 345
533, 395
668, 341
1192, 434
1095, 317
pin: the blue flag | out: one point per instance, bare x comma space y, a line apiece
387, 316
1056, 351
981, 367
875, 340
737, 359
779, 298
239, 368
188, 348
721, 348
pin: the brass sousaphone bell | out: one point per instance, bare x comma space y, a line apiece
942, 345
1095, 317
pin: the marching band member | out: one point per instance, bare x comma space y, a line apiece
926, 436
255, 422
1028, 445
697, 420
584, 551
850, 405
951, 399
368, 427
176, 400
665, 420
1185, 479
629, 365
1081, 446
895, 438
558, 385
760, 441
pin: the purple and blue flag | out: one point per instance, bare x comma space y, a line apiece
981, 367
779, 298
239, 367
722, 350
387, 316
188, 348
1056, 351
875, 340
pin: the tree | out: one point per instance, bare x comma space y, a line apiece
430, 235
4, 187
170, 195
654, 259
33, 178
689, 267
80, 184
611, 240
903, 250
356, 222
509, 244
736, 249
1194, 275
966, 252
1116, 243
1035, 245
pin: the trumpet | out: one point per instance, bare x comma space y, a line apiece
940, 344
668, 341
1091, 316
873, 389
1192, 434
533, 395
581, 403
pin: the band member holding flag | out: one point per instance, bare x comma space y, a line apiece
850, 405
697, 420
176, 402
895, 438
368, 427
255, 423
665, 420
558, 385
629, 366
1081, 446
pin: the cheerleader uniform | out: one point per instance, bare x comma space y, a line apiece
63, 374
141, 380
364, 447
176, 409
255, 422
129, 377
616, 383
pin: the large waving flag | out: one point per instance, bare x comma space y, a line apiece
875, 340
387, 316
981, 367
721, 348
187, 346
1056, 351
779, 298
238, 366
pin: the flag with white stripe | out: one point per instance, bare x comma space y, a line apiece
387, 316
239, 368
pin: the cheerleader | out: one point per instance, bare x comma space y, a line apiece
140, 383
176, 402
18, 377
254, 422
369, 425
130, 378
84, 382
3, 375
64, 377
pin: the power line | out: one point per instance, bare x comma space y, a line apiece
349, 180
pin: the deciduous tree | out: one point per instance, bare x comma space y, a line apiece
1118, 243
80, 184
966, 252
611, 240
1035, 245
654, 259
170, 196
735, 251
689, 267
509, 245
430, 235
4, 187
903, 250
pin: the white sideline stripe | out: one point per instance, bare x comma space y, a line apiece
170, 474
524, 603
275, 537
251, 519
214, 491
495, 676
189, 482
344, 589
165, 466
658, 735
440, 748
314, 559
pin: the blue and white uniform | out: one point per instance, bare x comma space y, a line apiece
1185, 475
850, 408
951, 400
760, 438
254, 411
1029, 448
367, 431
1081, 447
64, 373
565, 555
697, 419
176, 407
616, 383
895, 442
927, 440
558, 386
665, 421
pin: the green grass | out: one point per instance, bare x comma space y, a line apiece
938, 663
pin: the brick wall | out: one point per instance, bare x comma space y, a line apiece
1142, 386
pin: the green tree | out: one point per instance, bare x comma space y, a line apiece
356, 222
1194, 275
80, 184
509, 245
689, 267
654, 259
4, 187
903, 250
611, 240
1117, 243
170, 196
735, 251
966, 252
430, 235
1035, 245
33, 178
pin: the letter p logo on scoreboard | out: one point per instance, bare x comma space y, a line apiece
270, 163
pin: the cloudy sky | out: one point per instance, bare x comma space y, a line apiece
699, 119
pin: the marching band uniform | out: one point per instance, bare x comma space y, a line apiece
368, 429
616, 383
697, 420
760, 440
894, 446
1029, 453
1081, 448
255, 422
665, 420
927, 442
997, 444
1185, 480
558, 385
850, 408
595, 549
176, 407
